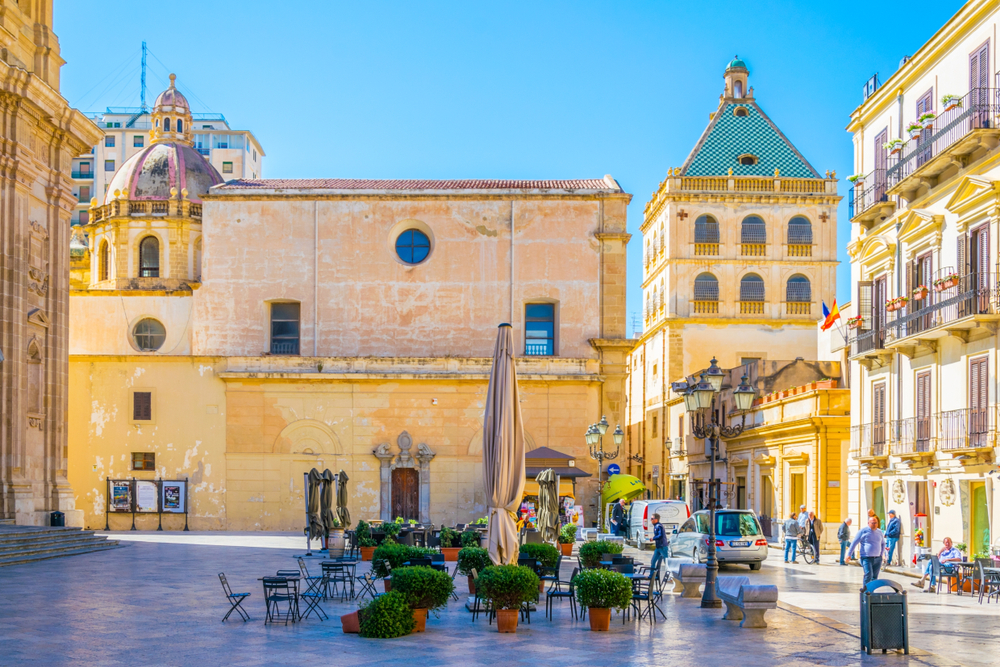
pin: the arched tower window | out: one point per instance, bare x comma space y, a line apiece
706, 229
706, 288
753, 230
166, 124
798, 289
180, 125
149, 257
104, 261
738, 89
752, 288
800, 231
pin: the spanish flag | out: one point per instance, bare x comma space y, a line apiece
830, 315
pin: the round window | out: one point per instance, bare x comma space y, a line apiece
413, 246
149, 335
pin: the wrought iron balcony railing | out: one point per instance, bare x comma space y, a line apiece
912, 435
867, 193
968, 428
869, 441
972, 294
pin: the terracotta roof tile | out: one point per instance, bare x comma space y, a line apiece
368, 184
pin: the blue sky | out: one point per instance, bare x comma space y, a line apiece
497, 90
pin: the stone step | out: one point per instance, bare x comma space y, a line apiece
50, 545
22, 544
6, 522
19, 559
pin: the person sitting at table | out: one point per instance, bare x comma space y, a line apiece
948, 556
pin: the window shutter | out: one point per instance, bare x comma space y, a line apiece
978, 384
911, 269
878, 407
962, 268
142, 406
923, 395
865, 304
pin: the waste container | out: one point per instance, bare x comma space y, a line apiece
57, 519
884, 617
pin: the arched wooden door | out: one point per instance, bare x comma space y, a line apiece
406, 494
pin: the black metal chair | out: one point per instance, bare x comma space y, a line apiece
312, 583
478, 605
313, 598
367, 586
453, 574
939, 573
644, 590
235, 600
338, 574
557, 592
988, 579
278, 590
550, 574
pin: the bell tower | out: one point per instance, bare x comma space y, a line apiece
171, 117
736, 81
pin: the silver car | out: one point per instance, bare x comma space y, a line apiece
738, 538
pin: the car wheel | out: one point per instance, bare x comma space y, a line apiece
754, 566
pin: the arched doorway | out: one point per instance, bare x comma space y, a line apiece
406, 494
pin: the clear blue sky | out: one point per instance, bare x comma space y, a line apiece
497, 90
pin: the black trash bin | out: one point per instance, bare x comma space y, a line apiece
884, 623
57, 519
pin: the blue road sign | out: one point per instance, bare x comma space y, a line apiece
613, 469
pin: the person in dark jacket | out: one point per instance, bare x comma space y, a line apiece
815, 528
844, 535
618, 518
893, 531
660, 543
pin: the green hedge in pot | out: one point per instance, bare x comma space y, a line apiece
396, 554
507, 586
470, 538
568, 534
385, 617
546, 553
423, 587
592, 552
603, 589
450, 537
473, 557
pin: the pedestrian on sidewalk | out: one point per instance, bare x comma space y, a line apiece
871, 543
893, 531
618, 518
803, 520
815, 530
660, 543
844, 535
878, 522
791, 537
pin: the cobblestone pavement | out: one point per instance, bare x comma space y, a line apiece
158, 602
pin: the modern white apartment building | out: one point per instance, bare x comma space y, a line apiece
925, 217
233, 153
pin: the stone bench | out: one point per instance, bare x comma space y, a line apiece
687, 576
746, 603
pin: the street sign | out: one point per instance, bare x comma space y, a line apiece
656, 471
614, 469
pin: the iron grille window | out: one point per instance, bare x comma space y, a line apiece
142, 406
753, 230
149, 257
798, 290
706, 288
752, 288
143, 461
284, 328
800, 231
539, 329
706, 230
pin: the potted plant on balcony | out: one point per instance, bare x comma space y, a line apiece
950, 102
363, 533
567, 536
600, 591
920, 293
946, 282
450, 543
894, 146
854, 322
926, 120
424, 589
506, 588
898, 303
857, 180
914, 130
473, 558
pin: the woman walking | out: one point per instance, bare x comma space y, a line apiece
815, 528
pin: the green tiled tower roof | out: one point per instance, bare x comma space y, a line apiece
729, 136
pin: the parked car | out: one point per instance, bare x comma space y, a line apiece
738, 538
640, 529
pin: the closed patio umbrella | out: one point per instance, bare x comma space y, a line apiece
342, 513
503, 452
548, 505
316, 529
326, 503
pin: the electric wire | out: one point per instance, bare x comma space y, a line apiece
85, 99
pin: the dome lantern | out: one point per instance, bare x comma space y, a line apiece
736, 80
171, 117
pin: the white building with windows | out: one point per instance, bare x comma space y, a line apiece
924, 212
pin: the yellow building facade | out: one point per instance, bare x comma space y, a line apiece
335, 323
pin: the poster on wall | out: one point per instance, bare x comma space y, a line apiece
173, 497
121, 496
146, 496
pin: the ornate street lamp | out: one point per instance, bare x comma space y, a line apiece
595, 443
699, 402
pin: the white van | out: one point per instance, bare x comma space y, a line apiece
640, 529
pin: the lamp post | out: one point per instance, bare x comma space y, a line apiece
595, 443
699, 402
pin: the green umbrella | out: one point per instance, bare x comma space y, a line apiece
342, 512
316, 528
326, 503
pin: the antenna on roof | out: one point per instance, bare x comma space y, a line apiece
143, 79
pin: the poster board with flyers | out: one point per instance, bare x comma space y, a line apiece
173, 496
141, 496
119, 495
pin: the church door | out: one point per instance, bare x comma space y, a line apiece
406, 494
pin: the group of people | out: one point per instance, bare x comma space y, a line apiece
801, 524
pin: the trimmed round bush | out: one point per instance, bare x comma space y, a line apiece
546, 553
567, 535
396, 554
423, 587
470, 538
385, 617
450, 537
473, 557
591, 552
603, 589
507, 586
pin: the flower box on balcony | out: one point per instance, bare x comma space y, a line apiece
941, 284
920, 293
857, 180
894, 146
914, 130
893, 305
950, 102
927, 120
854, 322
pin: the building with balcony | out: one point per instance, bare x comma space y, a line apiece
739, 253
923, 249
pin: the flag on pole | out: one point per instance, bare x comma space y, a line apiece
830, 316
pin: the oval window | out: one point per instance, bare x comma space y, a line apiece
148, 335
413, 246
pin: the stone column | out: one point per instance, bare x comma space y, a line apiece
385, 457
424, 456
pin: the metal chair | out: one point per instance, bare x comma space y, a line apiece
337, 574
313, 598
367, 586
550, 574
476, 608
311, 582
557, 592
453, 574
277, 591
939, 573
643, 590
235, 599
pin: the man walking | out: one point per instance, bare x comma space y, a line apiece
791, 537
844, 535
815, 528
893, 529
660, 544
872, 542
618, 518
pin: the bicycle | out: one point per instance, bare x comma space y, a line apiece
806, 550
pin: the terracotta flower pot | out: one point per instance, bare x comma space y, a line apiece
451, 553
920, 295
541, 587
387, 584
507, 620
419, 620
367, 553
952, 105
566, 549
946, 284
600, 619
472, 585
896, 150
351, 622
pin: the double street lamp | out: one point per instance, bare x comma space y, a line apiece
595, 443
699, 402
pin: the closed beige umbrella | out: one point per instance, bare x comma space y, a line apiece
548, 505
316, 528
503, 452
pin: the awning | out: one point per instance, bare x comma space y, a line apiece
565, 488
621, 486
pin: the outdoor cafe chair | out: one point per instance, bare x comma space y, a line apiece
988, 578
367, 586
337, 574
277, 592
557, 592
623, 568
453, 574
478, 604
293, 581
312, 583
940, 574
550, 574
643, 592
235, 599
313, 598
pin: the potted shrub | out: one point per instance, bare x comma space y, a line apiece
424, 588
451, 542
567, 536
591, 552
914, 130
506, 588
946, 282
857, 180
385, 617
470, 538
473, 558
854, 322
391, 531
546, 554
363, 534
920, 293
894, 146
950, 102
600, 591
927, 119
396, 555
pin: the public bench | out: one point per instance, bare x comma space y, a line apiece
687, 576
746, 603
